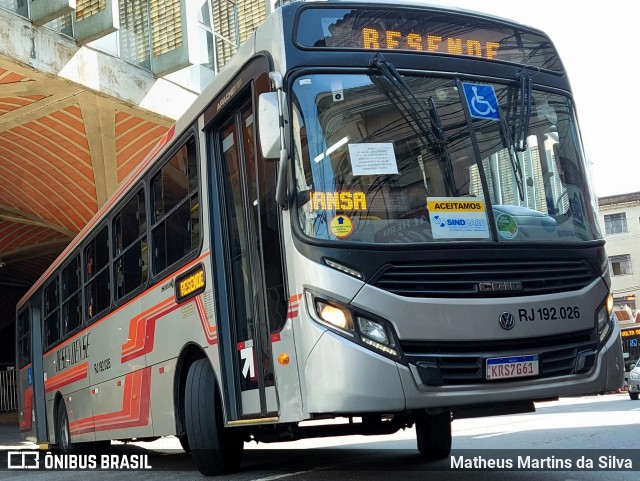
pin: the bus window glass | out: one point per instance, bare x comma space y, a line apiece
371, 167
24, 339
176, 209
97, 286
130, 246
51, 320
71, 296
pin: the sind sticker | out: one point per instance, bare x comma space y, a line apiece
458, 218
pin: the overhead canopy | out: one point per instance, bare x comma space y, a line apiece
63, 150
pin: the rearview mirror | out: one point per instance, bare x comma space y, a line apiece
269, 125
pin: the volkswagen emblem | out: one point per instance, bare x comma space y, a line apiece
507, 321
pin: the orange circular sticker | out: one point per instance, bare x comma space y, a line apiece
341, 226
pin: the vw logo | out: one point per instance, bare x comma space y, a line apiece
507, 321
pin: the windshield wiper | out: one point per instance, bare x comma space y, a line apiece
517, 140
513, 156
426, 125
522, 126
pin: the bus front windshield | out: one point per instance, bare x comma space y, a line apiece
375, 163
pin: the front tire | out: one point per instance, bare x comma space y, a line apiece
433, 433
633, 396
214, 448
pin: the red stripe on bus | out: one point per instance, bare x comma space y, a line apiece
138, 327
210, 331
144, 332
136, 399
142, 328
76, 373
25, 422
294, 303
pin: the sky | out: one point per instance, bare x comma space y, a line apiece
599, 45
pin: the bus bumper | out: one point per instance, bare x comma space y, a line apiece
342, 377
606, 375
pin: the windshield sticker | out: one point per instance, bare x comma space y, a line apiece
507, 226
373, 159
338, 200
341, 226
482, 101
457, 218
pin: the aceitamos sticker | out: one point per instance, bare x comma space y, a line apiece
458, 218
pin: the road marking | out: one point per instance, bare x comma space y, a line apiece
288, 475
490, 435
285, 475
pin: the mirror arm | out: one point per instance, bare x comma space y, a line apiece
281, 184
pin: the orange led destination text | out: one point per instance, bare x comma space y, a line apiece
392, 40
338, 200
191, 284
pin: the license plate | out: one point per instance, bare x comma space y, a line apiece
510, 367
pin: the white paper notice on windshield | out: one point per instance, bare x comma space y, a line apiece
373, 159
458, 218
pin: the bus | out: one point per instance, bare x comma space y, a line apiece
378, 213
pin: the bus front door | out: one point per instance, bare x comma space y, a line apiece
246, 350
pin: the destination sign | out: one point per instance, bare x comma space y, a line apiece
630, 332
424, 30
190, 284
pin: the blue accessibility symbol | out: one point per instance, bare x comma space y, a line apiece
30, 377
482, 101
633, 343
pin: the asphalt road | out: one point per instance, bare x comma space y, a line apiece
601, 429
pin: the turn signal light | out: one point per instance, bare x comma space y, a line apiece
283, 359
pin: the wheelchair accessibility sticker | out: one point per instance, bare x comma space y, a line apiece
482, 101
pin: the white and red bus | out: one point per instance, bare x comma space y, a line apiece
377, 211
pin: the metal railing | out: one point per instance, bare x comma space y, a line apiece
8, 390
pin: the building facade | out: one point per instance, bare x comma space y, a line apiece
185, 41
620, 219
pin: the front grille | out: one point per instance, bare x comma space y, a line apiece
455, 363
463, 279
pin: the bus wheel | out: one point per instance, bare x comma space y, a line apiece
433, 432
633, 396
63, 433
214, 448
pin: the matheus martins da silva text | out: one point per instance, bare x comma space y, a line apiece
547, 462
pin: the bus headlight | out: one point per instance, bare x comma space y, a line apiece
634, 375
376, 334
335, 315
373, 330
604, 320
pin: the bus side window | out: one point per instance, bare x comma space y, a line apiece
97, 285
176, 209
71, 296
24, 339
51, 319
130, 264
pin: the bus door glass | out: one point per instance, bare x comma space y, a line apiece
253, 364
